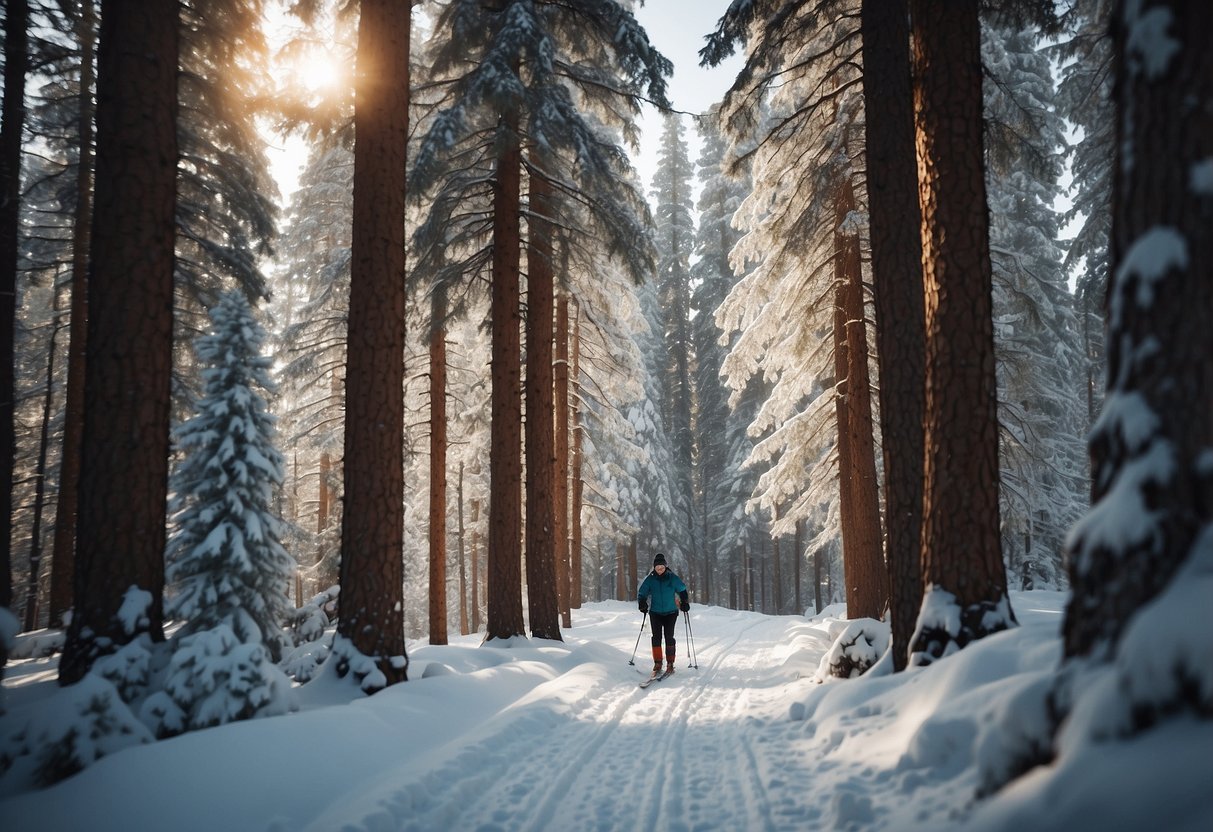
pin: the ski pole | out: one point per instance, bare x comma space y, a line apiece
632, 661
692, 658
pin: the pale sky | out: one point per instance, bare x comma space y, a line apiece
677, 29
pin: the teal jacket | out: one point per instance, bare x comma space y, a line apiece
661, 592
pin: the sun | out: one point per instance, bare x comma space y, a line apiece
319, 72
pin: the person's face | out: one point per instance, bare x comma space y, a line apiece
660, 568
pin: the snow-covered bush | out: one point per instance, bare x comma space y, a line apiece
309, 622
310, 629
74, 728
856, 649
129, 669
215, 678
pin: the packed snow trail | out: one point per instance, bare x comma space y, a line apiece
684, 754
541, 735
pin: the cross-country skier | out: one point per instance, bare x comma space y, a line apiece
661, 595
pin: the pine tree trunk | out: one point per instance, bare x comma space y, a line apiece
16, 64
541, 569
747, 557
620, 574
863, 558
121, 530
799, 553
633, 576
35, 537
897, 287
777, 572
463, 586
476, 594
561, 479
505, 442
960, 536
327, 567
438, 614
63, 556
1159, 344
817, 570
578, 482
371, 604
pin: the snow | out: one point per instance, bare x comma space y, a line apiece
557, 735
133, 612
1150, 48
1202, 177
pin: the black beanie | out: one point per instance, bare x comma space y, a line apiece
659, 560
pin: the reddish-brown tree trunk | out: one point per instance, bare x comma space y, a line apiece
620, 573
371, 604
438, 446
561, 481
476, 594
542, 572
35, 536
863, 558
961, 551
63, 556
121, 530
897, 287
818, 568
799, 553
327, 567
633, 572
505, 441
463, 586
777, 570
578, 482
16, 64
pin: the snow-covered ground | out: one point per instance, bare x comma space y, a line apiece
557, 736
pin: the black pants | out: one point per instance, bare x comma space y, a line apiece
663, 623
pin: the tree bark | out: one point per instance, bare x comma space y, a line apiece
505, 441
777, 570
620, 573
438, 445
125, 444
371, 604
817, 570
1159, 339
475, 600
960, 535
897, 287
463, 586
63, 556
561, 480
328, 567
541, 569
578, 482
16, 64
35, 536
863, 559
799, 552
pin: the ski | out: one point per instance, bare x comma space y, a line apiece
656, 677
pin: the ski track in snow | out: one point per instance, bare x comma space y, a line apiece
619, 745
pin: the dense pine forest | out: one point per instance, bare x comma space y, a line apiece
914, 317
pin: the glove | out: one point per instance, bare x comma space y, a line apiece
643, 603
686, 603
